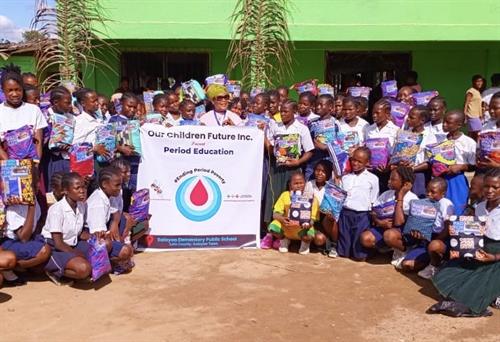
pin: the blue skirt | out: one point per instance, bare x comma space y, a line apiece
458, 192
351, 225
56, 164
419, 186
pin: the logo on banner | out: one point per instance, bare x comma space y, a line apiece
198, 198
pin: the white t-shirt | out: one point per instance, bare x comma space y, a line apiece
311, 187
305, 144
26, 114
492, 220
437, 130
15, 216
173, 121
389, 131
62, 219
362, 190
213, 118
465, 150
390, 195
85, 128
99, 211
428, 138
359, 128
446, 209
490, 125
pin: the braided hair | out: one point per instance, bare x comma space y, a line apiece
406, 173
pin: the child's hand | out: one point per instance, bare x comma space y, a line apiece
416, 235
85, 235
65, 147
126, 150
114, 232
131, 222
385, 223
484, 257
488, 163
261, 125
100, 149
404, 190
292, 163
286, 221
228, 122
454, 169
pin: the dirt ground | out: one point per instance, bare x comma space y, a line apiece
242, 295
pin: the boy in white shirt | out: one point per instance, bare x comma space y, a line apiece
362, 191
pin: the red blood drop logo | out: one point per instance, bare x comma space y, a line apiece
199, 195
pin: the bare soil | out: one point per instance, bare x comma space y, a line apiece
242, 295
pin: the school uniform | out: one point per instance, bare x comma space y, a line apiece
312, 187
333, 126
169, 119
57, 161
389, 131
213, 118
362, 191
458, 186
490, 125
419, 252
437, 130
280, 175
359, 128
423, 177
26, 114
85, 128
99, 211
62, 219
306, 120
15, 216
386, 197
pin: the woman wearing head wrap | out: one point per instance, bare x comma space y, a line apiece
220, 115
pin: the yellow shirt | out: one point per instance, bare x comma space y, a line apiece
277, 117
283, 204
474, 108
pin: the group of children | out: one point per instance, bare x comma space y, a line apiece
54, 241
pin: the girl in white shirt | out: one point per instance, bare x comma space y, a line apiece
64, 232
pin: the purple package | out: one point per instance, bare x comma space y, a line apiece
139, 205
2, 96
380, 151
399, 111
423, 98
98, 258
385, 210
256, 91
45, 104
489, 145
216, 79
20, 143
359, 91
389, 88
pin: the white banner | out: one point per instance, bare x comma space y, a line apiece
205, 186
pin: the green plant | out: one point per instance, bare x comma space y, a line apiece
70, 34
261, 44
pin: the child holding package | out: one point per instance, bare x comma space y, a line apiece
64, 232
410, 250
281, 226
362, 191
99, 212
470, 286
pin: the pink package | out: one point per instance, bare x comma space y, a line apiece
399, 111
423, 98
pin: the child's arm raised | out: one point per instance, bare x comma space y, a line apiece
399, 215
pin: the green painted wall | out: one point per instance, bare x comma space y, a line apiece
313, 20
26, 63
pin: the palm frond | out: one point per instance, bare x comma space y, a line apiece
261, 44
70, 37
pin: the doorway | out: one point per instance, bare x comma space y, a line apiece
152, 70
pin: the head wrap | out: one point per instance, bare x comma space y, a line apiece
215, 90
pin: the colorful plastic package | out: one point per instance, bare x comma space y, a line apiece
139, 205
130, 134
339, 157
17, 180
380, 151
489, 145
62, 131
20, 143
81, 159
324, 130
466, 236
333, 200
422, 217
325, 89
441, 155
98, 258
423, 98
286, 146
399, 111
309, 85
106, 135
193, 91
385, 210
389, 88
359, 91
253, 120
234, 88
216, 79
406, 147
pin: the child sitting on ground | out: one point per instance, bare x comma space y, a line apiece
282, 228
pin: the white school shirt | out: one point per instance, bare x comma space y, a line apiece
492, 220
62, 219
446, 209
359, 128
213, 118
173, 121
390, 195
428, 138
311, 117
85, 128
465, 150
311, 187
99, 210
26, 114
389, 131
362, 190
15, 216
490, 125
305, 143
437, 130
